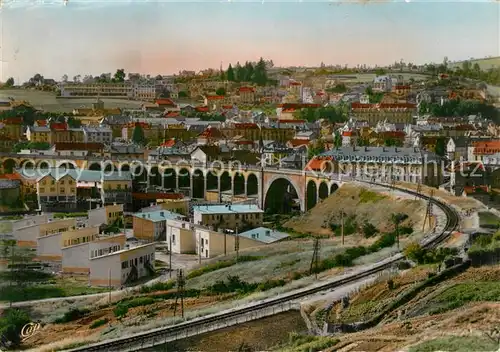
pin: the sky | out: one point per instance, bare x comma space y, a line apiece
162, 37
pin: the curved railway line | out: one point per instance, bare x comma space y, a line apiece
158, 336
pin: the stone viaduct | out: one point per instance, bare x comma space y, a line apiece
268, 186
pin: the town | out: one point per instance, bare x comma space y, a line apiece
132, 202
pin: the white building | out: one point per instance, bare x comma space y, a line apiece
101, 134
181, 236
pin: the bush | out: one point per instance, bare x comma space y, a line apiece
72, 315
98, 323
123, 306
369, 230
11, 323
158, 286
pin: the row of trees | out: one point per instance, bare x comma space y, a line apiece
458, 107
334, 114
247, 73
29, 115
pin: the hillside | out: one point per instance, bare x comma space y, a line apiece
360, 203
456, 314
484, 64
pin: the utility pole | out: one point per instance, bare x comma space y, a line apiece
315, 258
428, 213
170, 254
419, 189
200, 248
180, 291
237, 245
342, 225
225, 243
109, 285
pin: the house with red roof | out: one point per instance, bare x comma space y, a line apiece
215, 102
247, 95
12, 127
209, 136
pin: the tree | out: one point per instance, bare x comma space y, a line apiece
260, 73
64, 78
138, 135
9, 82
317, 148
239, 73
337, 139
369, 90
220, 91
159, 77
248, 72
119, 75
11, 323
440, 148
230, 74
74, 122
415, 252
76, 79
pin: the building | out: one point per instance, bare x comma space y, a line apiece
180, 236
144, 90
49, 246
386, 163
456, 148
115, 90
27, 236
123, 266
382, 84
210, 243
478, 150
100, 134
247, 95
235, 216
60, 189
108, 215
392, 113
151, 226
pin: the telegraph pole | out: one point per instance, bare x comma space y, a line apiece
428, 213
342, 226
315, 259
109, 285
181, 281
419, 189
170, 254
237, 245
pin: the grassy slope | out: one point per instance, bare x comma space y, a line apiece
360, 202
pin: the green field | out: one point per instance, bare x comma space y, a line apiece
484, 64
48, 101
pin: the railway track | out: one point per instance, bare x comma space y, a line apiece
158, 336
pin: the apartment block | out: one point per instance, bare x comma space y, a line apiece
180, 236
232, 217
211, 243
28, 236
105, 215
151, 226
49, 247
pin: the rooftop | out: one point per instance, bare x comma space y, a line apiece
227, 209
159, 215
265, 235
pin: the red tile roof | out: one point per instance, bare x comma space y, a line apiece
166, 101
244, 142
247, 89
298, 105
172, 114
294, 83
59, 126
168, 143
227, 107
291, 121
210, 133
15, 176
486, 148
13, 121
94, 147
318, 163
215, 97
349, 133
392, 134
150, 195
41, 123
202, 108
288, 110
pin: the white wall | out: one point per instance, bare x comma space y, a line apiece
76, 256
29, 221
49, 245
97, 216
29, 233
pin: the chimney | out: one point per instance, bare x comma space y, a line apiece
229, 206
162, 214
268, 233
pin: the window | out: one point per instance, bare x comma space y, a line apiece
237, 216
62, 182
53, 182
140, 260
173, 239
124, 265
70, 182
136, 261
